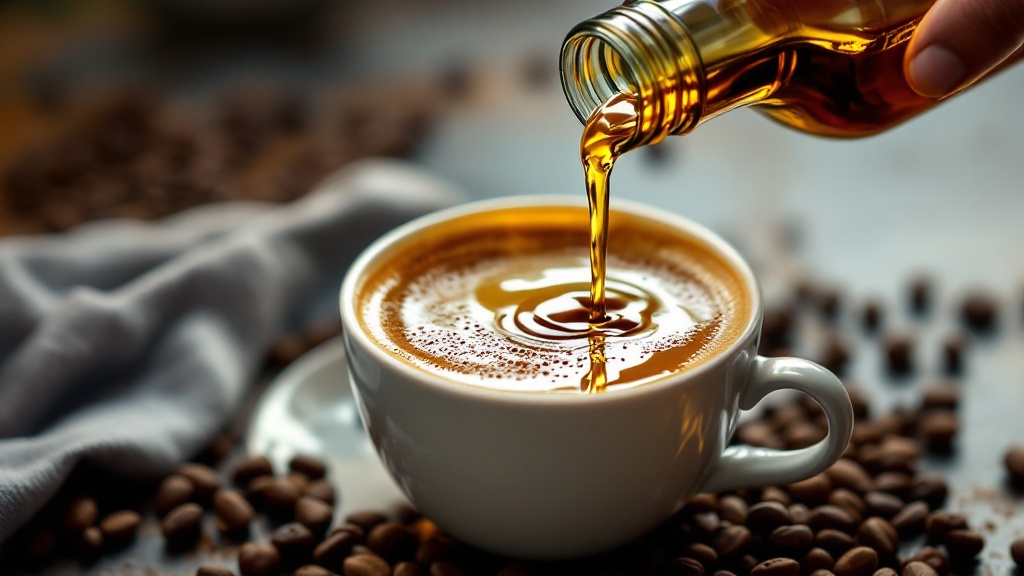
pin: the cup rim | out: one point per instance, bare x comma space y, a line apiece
352, 330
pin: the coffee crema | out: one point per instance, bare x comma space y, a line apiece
501, 300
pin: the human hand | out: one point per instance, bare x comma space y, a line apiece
959, 41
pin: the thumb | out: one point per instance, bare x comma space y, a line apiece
959, 41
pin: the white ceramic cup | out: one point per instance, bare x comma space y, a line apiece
547, 476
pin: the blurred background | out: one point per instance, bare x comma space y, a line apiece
131, 109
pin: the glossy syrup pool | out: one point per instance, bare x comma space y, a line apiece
506, 304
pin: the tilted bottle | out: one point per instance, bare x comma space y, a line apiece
827, 67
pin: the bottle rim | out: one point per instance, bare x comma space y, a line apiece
642, 49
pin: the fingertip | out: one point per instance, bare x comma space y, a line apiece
936, 71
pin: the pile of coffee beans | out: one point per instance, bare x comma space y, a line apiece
141, 154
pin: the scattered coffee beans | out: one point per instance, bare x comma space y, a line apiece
258, 559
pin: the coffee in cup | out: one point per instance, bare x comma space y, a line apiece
501, 300
467, 356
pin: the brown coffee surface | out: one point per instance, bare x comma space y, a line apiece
502, 300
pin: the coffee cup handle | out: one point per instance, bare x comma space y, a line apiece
747, 466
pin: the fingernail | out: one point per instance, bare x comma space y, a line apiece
936, 71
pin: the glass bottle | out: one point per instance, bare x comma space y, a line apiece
827, 67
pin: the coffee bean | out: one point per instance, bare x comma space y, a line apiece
952, 354
299, 479
963, 545
872, 316
898, 454
828, 302
183, 525
764, 517
684, 567
896, 483
333, 550
353, 529
832, 517
279, 497
910, 520
816, 559
314, 514
882, 504
1017, 552
899, 355
731, 541
859, 561
1014, 463
945, 396
702, 553
930, 488
313, 468
208, 570
978, 312
366, 519
848, 501
777, 567
799, 514
312, 570
776, 494
705, 523
89, 545
813, 492
173, 491
119, 528
81, 513
846, 473
918, 569
204, 480
295, 543
258, 559
938, 523
880, 535
233, 511
836, 542
836, 355
412, 569
366, 565
746, 564
391, 541
257, 489
932, 557
939, 428
920, 292
885, 572
321, 490
733, 509
251, 468
758, 433
776, 329
704, 502
795, 540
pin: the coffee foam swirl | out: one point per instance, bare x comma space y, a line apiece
510, 309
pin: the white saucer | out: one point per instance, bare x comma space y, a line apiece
309, 409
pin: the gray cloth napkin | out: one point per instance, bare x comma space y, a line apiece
128, 344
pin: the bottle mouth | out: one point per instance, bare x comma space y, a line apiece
594, 69
642, 49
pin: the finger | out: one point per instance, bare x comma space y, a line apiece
959, 41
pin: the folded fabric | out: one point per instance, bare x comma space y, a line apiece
129, 345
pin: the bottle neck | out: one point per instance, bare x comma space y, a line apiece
653, 49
